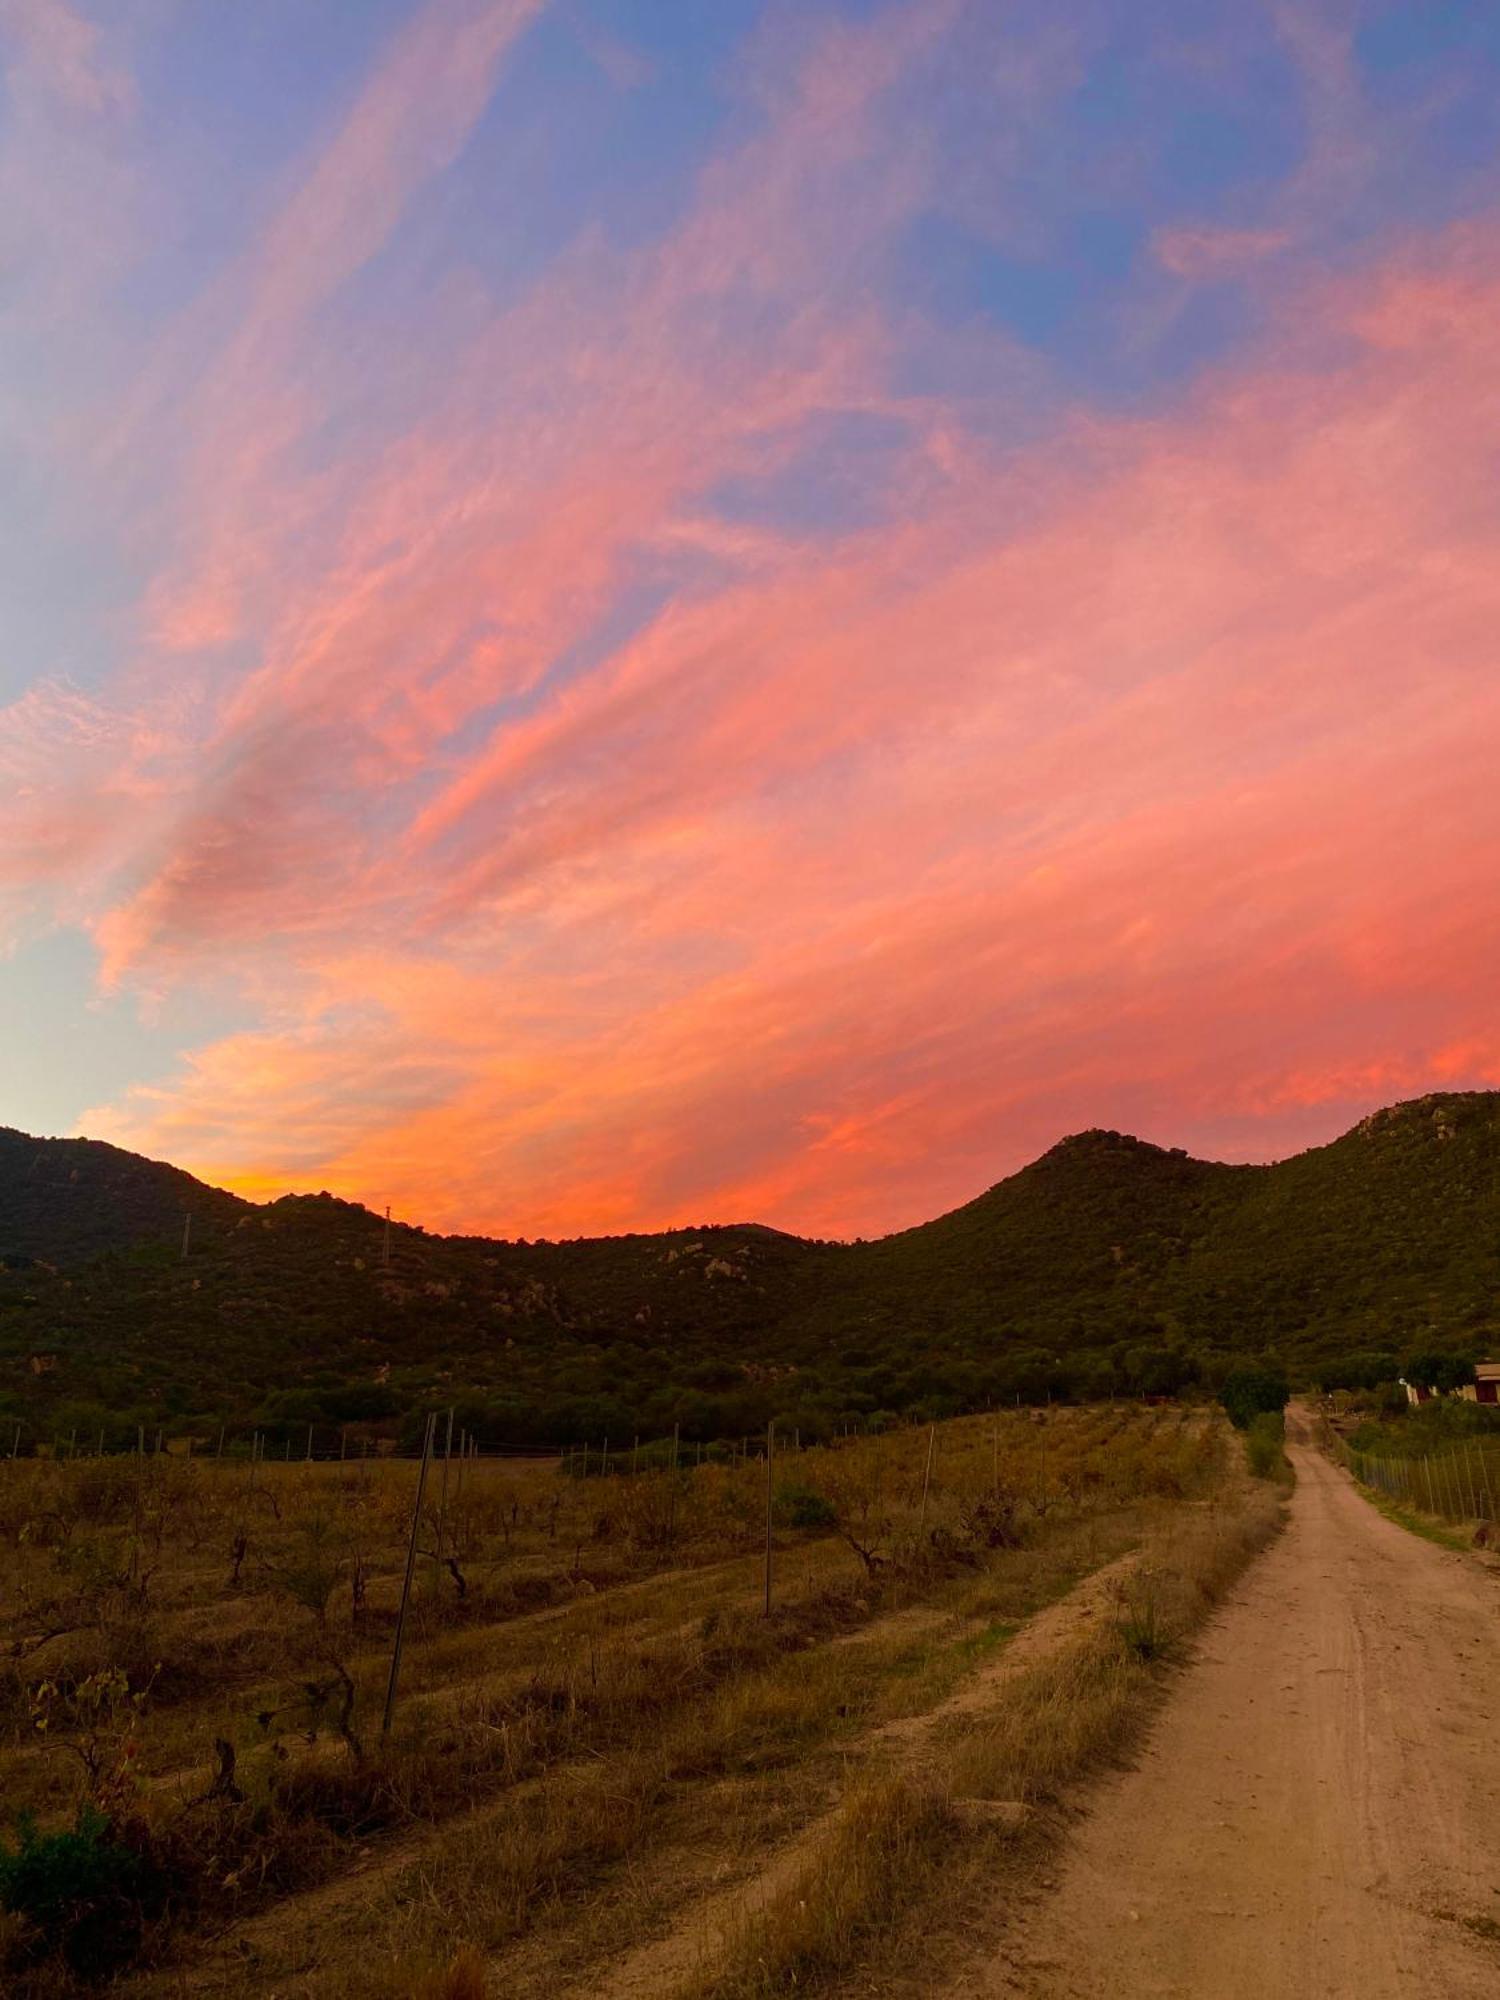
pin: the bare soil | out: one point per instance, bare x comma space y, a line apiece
1317, 1811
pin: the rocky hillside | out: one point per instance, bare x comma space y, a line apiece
1107, 1264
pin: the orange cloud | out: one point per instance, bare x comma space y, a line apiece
596, 860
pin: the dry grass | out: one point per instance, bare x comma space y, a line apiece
904, 1849
601, 1693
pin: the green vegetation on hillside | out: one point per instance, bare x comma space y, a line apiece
1108, 1266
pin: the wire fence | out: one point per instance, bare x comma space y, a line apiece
1458, 1484
323, 1445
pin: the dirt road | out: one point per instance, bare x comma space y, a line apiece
1318, 1809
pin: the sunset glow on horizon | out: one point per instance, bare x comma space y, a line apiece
628, 614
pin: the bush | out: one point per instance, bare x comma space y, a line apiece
1247, 1392
800, 1507
84, 1894
1264, 1439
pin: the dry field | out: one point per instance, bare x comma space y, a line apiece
608, 1768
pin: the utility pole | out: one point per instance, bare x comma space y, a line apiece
385, 1248
187, 1233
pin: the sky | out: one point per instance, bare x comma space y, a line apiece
617, 613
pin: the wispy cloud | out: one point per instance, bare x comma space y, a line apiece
725, 731
1160, 802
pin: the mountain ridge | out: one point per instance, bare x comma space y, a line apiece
1109, 1262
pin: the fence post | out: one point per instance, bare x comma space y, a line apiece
927, 1478
770, 1504
443, 1493
411, 1563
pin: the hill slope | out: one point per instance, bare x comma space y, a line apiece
1108, 1262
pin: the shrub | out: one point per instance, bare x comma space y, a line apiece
1249, 1391
84, 1894
1263, 1443
1139, 1622
801, 1507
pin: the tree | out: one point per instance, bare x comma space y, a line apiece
1442, 1373
1247, 1392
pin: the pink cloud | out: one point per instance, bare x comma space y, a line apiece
598, 861
841, 891
63, 54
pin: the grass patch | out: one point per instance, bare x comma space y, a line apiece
602, 1696
903, 1851
889, 1845
1265, 1446
1424, 1525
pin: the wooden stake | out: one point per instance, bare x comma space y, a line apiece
770, 1503
442, 1525
927, 1477
411, 1563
